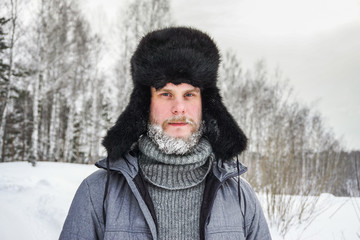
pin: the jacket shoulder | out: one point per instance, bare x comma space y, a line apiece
84, 219
96, 183
248, 198
256, 225
246, 205
85, 216
97, 179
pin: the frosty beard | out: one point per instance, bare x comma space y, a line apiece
173, 145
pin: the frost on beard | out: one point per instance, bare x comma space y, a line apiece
172, 145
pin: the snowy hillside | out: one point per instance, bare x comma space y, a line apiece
34, 202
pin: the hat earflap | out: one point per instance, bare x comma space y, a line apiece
222, 131
130, 125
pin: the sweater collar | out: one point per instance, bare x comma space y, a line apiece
174, 172
128, 164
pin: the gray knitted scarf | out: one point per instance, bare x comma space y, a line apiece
174, 172
176, 187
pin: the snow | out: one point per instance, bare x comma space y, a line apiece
334, 218
34, 202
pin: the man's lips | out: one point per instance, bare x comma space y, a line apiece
178, 124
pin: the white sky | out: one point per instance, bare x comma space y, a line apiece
316, 44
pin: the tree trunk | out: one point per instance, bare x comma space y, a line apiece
8, 88
35, 132
69, 135
53, 127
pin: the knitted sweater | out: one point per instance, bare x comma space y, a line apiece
176, 185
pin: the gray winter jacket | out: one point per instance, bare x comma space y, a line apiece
129, 212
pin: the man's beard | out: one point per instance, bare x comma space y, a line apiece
173, 145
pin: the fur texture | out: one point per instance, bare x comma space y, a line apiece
176, 55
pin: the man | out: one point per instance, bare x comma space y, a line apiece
170, 171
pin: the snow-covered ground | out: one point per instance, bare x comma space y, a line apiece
34, 202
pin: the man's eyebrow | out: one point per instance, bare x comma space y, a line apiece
163, 89
195, 89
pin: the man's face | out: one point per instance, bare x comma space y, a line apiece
177, 109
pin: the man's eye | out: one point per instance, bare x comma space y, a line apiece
165, 94
189, 95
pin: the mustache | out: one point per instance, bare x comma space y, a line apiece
178, 119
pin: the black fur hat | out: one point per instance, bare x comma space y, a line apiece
176, 55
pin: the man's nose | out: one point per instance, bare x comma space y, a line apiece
178, 107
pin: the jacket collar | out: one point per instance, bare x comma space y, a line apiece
129, 165
226, 170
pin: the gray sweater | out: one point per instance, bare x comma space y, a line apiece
176, 186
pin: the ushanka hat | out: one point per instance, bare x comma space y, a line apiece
176, 55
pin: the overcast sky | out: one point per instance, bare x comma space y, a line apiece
316, 44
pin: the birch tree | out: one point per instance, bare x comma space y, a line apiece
13, 86
11, 46
140, 17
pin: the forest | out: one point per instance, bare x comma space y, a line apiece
57, 102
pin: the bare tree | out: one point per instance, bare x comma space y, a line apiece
13, 21
290, 151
